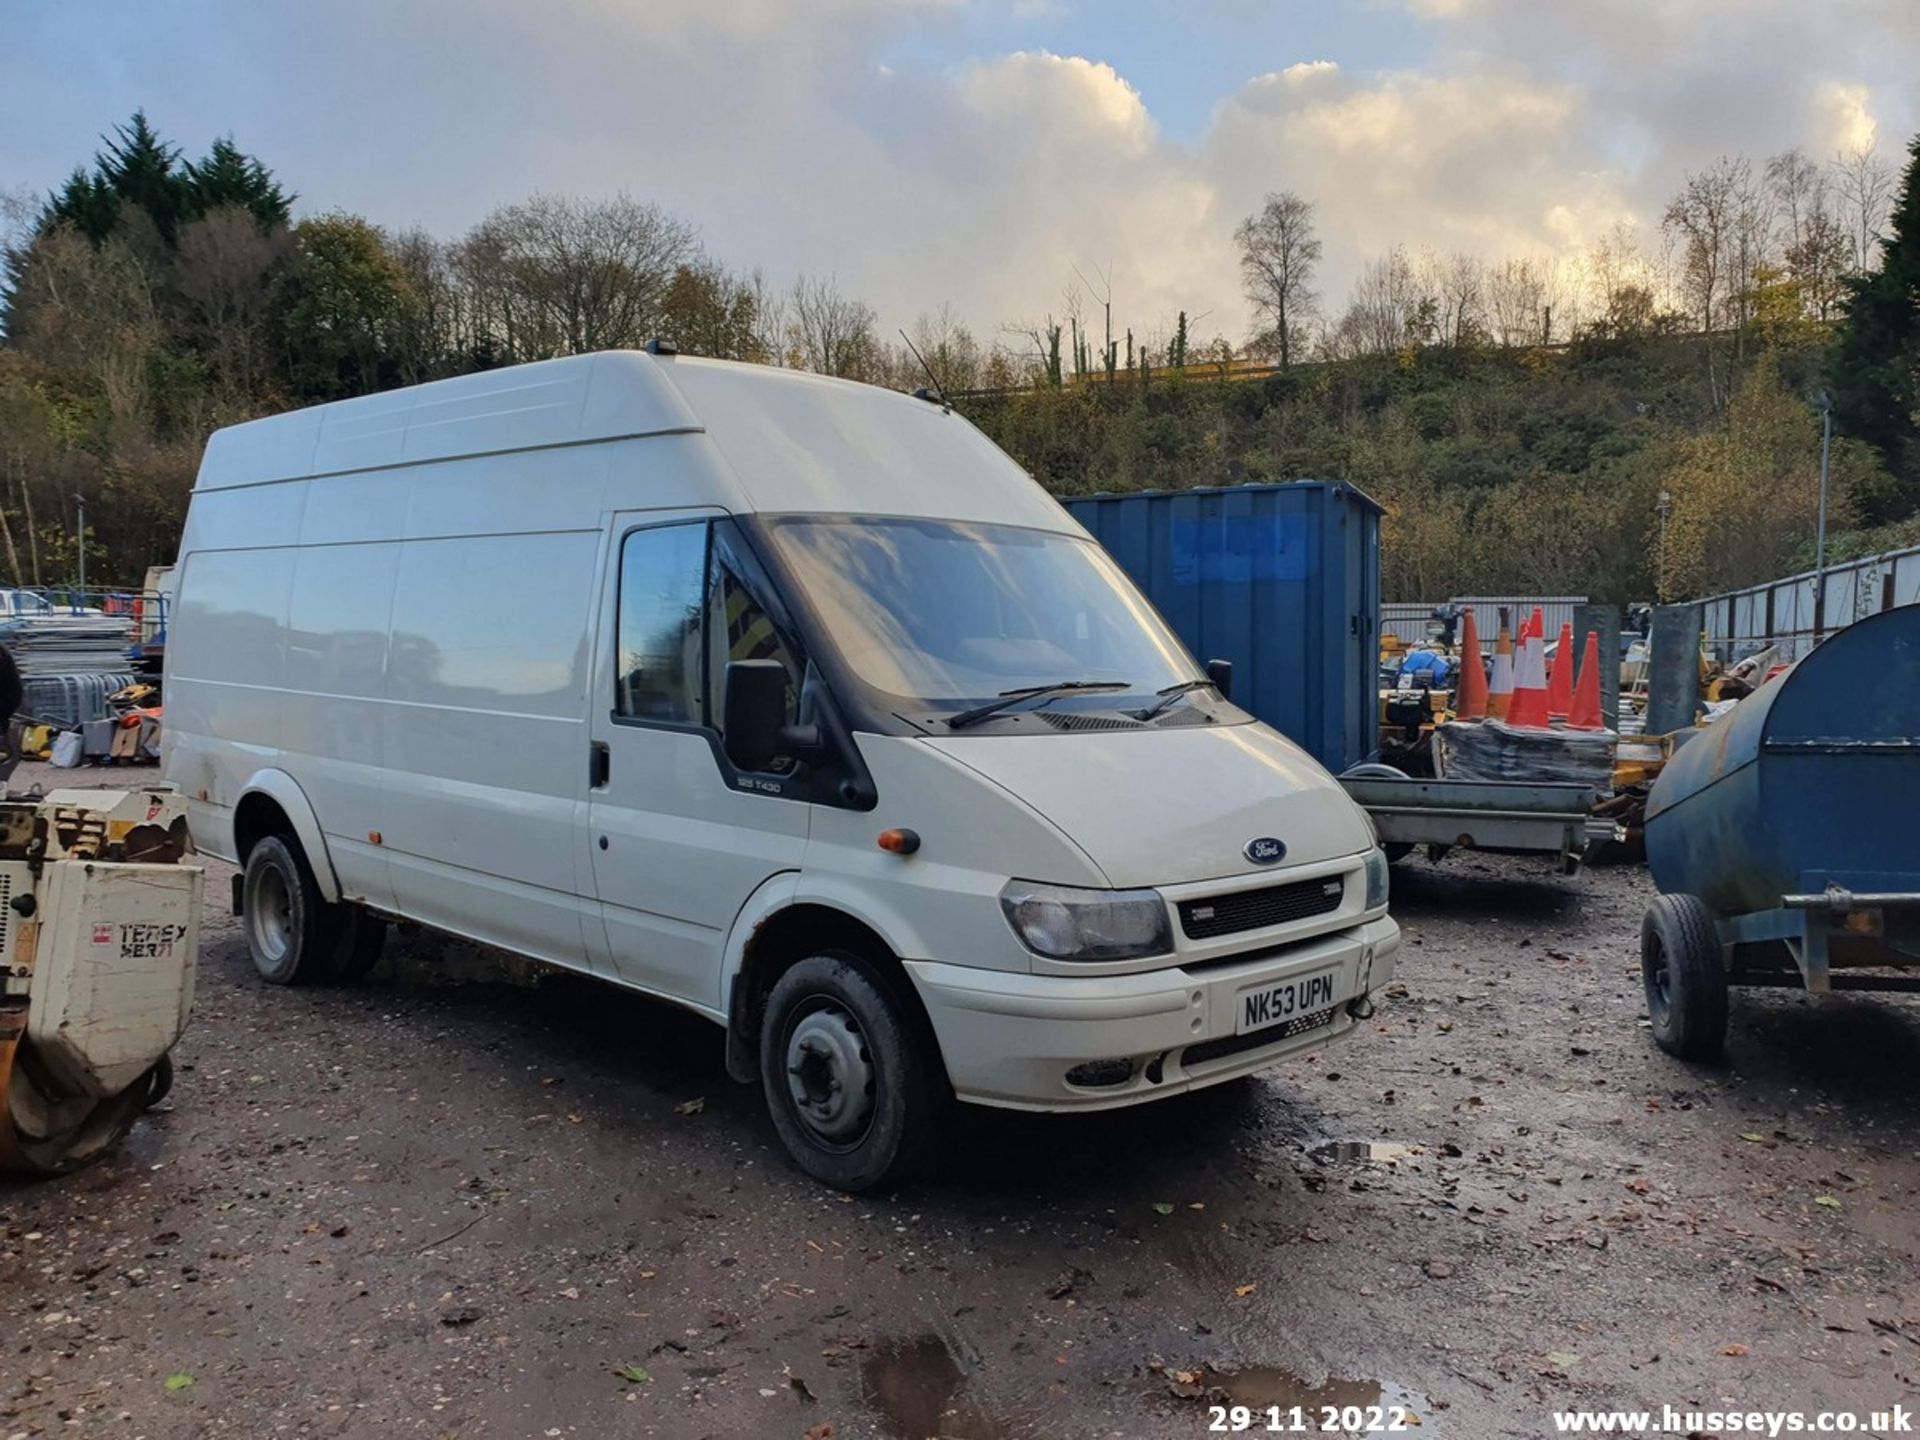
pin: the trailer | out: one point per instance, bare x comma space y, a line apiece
1783, 839
1283, 583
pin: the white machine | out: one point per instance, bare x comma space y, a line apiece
99, 931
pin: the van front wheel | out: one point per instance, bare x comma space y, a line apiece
850, 1092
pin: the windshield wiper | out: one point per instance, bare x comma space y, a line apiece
1009, 698
1168, 696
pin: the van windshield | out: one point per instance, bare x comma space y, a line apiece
953, 614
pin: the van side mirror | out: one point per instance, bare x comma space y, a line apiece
753, 717
1220, 673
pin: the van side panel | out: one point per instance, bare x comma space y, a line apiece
335, 700
226, 665
483, 735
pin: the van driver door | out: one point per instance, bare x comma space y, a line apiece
676, 846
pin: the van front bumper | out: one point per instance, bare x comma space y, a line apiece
1012, 1040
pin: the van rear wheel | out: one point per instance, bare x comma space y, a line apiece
850, 1092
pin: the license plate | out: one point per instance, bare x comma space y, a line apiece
1286, 1000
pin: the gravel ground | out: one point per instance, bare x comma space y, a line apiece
464, 1197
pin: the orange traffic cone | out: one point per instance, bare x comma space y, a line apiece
1500, 687
1585, 714
1470, 695
1537, 625
1560, 676
1529, 708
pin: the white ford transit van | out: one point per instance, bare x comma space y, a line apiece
792, 701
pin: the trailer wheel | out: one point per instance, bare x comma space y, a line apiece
1686, 978
846, 1083
292, 932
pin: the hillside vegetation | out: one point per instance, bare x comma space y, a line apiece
1502, 471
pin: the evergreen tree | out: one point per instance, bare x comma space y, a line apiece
87, 203
1876, 364
228, 177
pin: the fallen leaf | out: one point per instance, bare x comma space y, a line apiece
1240, 1292
1753, 1139
691, 1107
799, 1387
822, 1431
1198, 1205
1163, 1207
1735, 1350
1562, 1359
633, 1374
1826, 1200
179, 1382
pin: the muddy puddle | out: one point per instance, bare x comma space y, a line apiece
1358, 1152
917, 1387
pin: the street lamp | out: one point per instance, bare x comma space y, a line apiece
1824, 401
1663, 508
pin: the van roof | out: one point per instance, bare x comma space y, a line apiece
795, 441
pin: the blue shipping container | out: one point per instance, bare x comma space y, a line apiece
1283, 580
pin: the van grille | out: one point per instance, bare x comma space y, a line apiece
1210, 1050
1257, 909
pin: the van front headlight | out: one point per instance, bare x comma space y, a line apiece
1376, 879
1065, 923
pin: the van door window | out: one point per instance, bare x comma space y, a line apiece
662, 573
742, 626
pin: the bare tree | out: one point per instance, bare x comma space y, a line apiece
1278, 255
1457, 284
91, 309
832, 333
1705, 217
1864, 185
1518, 303
559, 276
1799, 191
222, 275
1387, 310
950, 351
770, 321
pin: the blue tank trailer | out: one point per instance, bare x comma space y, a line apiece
1785, 839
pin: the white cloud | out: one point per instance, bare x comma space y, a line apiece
1848, 115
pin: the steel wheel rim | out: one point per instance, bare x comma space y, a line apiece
1659, 984
831, 1079
270, 915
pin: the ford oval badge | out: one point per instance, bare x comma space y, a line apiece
1266, 851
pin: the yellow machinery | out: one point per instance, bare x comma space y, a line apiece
99, 934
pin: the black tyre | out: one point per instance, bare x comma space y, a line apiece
357, 947
292, 932
849, 1081
159, 1081
1686, 979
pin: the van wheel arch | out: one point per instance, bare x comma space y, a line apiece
257, 816
791, 935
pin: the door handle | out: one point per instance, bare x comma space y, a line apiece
599, 764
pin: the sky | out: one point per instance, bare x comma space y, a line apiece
977, 152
